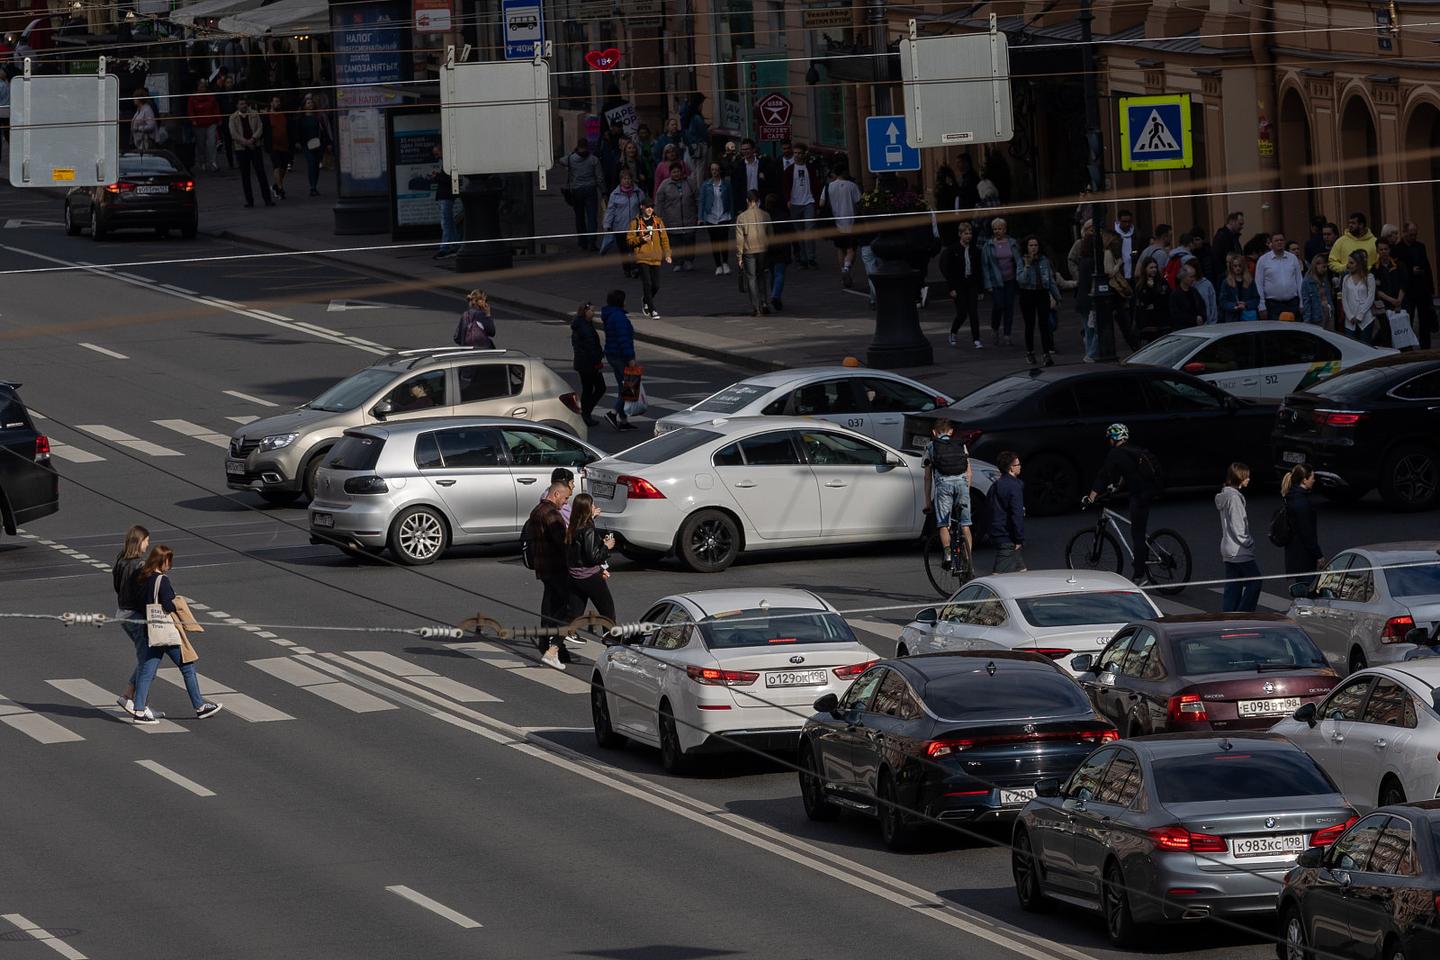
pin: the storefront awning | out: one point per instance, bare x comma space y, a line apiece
210, 10
282, 18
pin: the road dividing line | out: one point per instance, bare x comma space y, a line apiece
99, 349
195, 431
123, 439
435, 907
175, 778
171, 287
890, 631
545, 676
44, 936
245, 396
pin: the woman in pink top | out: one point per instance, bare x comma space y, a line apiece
662, 169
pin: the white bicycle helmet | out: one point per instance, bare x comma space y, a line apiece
1118, 432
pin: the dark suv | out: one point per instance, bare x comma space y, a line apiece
29, 486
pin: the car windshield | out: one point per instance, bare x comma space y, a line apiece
1410, 582
667, 446
1235, 775
146, 166
1355, 384
1247, 651
1078, 609
775, 627
355, 452
1009, 694
352, 391
1002, 393
733, 398
1167, 351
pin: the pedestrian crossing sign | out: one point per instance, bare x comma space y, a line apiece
1155, 133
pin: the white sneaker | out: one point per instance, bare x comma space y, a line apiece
952, 339
978, 344
552, 659
126, 704
654, 314
726, 268
677, 268
720, 270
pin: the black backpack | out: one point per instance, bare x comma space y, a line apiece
1282, 530
1152, 477
949, 457
527, 544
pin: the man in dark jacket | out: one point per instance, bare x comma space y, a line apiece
753, 172
1007, 515
1226, 242
1123, 472
589, 360
1420, 281
547, 546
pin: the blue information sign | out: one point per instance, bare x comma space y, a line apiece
524, 23
886, 150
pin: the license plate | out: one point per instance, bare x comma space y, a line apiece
796, 678
1282, 845
153, 189
235, 468
1290, 456
1267, 708
1016, 798
605, 491
322, 520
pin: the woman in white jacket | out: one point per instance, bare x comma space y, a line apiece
1357, 298
1237, 545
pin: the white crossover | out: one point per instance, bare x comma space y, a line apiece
720, 668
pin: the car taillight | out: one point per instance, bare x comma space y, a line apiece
42, 447
1187, 708
1054, 653
571, 401
124, 186
1328, 835
941, 402
952, 745
1395, 629
711, 677
184, 186
854, 669
1338, 418
969, 436
369, 484
640, 489
1178, 839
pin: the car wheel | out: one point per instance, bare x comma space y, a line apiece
1292, 928
72, 226
1025, 867
1052, 484
97, 226
1410, 478
418, 536
1133, 727
672, 756
312, 467
280, 498
709, 541
605, 736
812, 786
1115, 899
895, 833
1358, 661
1391, 792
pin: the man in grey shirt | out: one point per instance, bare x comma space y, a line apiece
582, 185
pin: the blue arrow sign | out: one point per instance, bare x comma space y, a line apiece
886, 149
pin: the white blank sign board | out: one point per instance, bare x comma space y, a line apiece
64, 131
957, 90
495, 117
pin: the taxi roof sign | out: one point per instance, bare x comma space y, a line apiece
1155, 133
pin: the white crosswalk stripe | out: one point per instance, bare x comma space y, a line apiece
101, 699
123, 439
428, 679
242, 705
34, 725
343, 694
73, 454
498, 656
196, 431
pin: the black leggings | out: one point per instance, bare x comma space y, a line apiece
592, 388
966, 305
591, 590
1035, 306
720, 241
649, 283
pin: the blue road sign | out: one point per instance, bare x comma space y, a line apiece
886, 149
524, 23
1155, 133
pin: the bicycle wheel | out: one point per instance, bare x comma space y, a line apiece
1169, 561
1092, 549
941, 579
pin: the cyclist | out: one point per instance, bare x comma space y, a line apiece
1130, 469
947, 484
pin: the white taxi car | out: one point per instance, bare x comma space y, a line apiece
1262, 360
721, 668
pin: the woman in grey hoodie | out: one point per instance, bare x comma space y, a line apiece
1237, 546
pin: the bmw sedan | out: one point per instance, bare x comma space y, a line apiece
1175, 827
944, 738
154, 192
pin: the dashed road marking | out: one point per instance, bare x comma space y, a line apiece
44, 936
103, 350
195, 431
245, 396
299, 675
435, 907
123, 439
175, 778
101, 699
35, 726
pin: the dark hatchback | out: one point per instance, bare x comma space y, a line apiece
1373, 895
29, 486
1055, 419
154, 192
1209, 671
1376, 424
948, 737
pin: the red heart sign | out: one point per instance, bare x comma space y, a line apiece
603, 59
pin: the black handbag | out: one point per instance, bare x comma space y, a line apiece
568, 196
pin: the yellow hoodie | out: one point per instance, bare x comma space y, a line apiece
1347, 244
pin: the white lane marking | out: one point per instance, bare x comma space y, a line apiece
37, 414
434, 906
45, 937
299, 675
1267, 600
73, 454
133, 276
316, 326
196, 431
172, 287
546, 676
242, 420
415, 673
242, 705
175, 778
33, 725
123, 439
245, 396
339, 306
99, 349
101, 699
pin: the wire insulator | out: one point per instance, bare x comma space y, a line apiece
439, 633
83, 619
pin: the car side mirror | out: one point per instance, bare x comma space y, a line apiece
894, 462
928, 615
1324, 593
827, 704
1300, 591
1084, 663
1419, 636
383, 409
1049, 787
1311, 857
1306, 714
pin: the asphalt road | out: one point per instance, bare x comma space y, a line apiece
372, 794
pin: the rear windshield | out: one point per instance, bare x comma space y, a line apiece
1165, 352
1355, 384
774, 628
1002, 393
148, 165
1079, 609
1009, 695
733, 398
355, 453
1226, 775
1413, 581
668, 445
1247, 651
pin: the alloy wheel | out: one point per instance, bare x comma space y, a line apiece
1414, 477
711, 541
421, 535
1294, 938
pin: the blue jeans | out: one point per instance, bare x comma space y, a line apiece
134, 627
777, 285
1002, 306
803, 214
1365, 335
1092, 336
872, 263
149, 661
950, 493
1240, 595
449, 234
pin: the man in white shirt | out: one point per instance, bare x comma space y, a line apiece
1277, 281
840, 197
800, 195
752, 172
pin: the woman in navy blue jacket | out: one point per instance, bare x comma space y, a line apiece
154, 587
620, 351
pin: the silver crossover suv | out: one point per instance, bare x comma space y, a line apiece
420, 486
277, 457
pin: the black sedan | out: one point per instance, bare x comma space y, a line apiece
1055, 419
1374, 425
29, 487
1372, 895
944, 737
154, 192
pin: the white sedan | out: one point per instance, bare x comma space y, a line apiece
1052, 612
871, 402
1377, 734
1261, 360
721, 668
710, 492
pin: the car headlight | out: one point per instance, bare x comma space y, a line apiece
276, 441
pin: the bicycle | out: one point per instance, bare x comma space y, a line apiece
1102, 547
962, 560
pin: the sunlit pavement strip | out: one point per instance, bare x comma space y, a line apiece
175, 778
44, 936
34, 725
94, 695
505, 660
435, 907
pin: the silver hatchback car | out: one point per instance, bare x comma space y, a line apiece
420, 486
